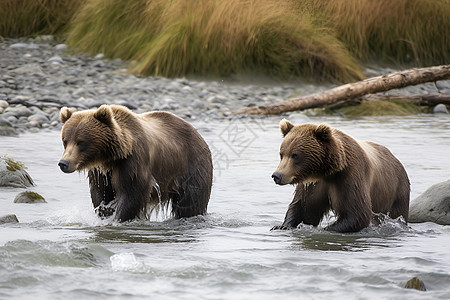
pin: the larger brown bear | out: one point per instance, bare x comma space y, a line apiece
137, 161
333, 171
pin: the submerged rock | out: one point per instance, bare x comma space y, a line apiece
432, 206
9, 219
415, 283
7, 130
12, 173
29, 197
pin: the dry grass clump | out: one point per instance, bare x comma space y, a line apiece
379, 108
400, 31
202, 37
31, 17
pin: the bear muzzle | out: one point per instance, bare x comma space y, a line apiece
64, 166
277, 177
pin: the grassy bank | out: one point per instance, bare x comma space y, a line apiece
182, 37
320, 39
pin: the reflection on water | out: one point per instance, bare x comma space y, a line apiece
61, 249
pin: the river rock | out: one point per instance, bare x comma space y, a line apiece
432, 206
29, 197
38, 119
56, 59
4, 122
13, 174
415, 283
440, 109
9, 219
61, 47
19, 46
4, 104
28, 69
18, 111
6, 130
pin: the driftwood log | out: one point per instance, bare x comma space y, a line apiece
353, 91
425, 100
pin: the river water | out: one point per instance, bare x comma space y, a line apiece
62, 250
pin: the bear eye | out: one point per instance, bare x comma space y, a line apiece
80, 143
294, 156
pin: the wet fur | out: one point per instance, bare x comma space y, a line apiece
351, 178
141, 156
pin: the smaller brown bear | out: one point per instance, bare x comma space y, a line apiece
137, 161
333, 171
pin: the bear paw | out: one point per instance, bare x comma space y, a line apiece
280, 227
104, 211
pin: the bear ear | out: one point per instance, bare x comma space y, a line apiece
323, 133
285, 127
64, 114
104, 114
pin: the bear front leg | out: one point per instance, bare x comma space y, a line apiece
133, 190
102, 192
190, 198
309, 205
294, 216
347, 224
352, 207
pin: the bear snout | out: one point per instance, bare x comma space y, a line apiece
277, 177
64, 166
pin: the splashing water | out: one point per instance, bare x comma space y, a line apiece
127, 262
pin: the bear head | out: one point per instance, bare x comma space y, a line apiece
93, 138
308, 153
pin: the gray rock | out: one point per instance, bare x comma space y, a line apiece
39, 118
29, 197
4, 104
13, 174
18, 111
9, 219
61, 47
440, 109
217, 99
19, 46
4, 122
432, 206
11, 119
28, 69
56, 59
6, 130
44, 38
33, 46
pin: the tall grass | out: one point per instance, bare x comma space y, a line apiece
395, 31
31, 17
181, 37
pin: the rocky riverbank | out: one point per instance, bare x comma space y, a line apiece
39, 75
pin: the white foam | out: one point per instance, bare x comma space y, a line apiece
127, 262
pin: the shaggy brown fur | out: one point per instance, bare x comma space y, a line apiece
333, 171
136, 161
